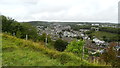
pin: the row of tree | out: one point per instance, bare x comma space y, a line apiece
20, 30
17, 29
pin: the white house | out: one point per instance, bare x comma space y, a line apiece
82, 35
95, 24
98, 42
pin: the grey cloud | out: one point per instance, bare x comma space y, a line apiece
61, 10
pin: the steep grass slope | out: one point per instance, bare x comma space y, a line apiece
19, 52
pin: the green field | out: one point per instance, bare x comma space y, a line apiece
19, 52
100, 34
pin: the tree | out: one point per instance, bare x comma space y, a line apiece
20, 30
18, 34
76, 47
60, 34
49, 38
110, 55
60, 45
42, 37
15, 27
6, 23
79, 37
31, 31
105, 38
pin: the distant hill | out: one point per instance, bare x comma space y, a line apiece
36, 23
46, 23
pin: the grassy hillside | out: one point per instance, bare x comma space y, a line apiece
19, 52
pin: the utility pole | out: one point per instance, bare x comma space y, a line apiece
83, 49
26, 37
46, 40
83, 53
13, 34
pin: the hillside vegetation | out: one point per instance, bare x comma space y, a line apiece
19, 52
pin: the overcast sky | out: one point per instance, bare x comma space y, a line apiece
61, 10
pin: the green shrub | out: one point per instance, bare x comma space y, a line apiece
75, 47
60, 45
